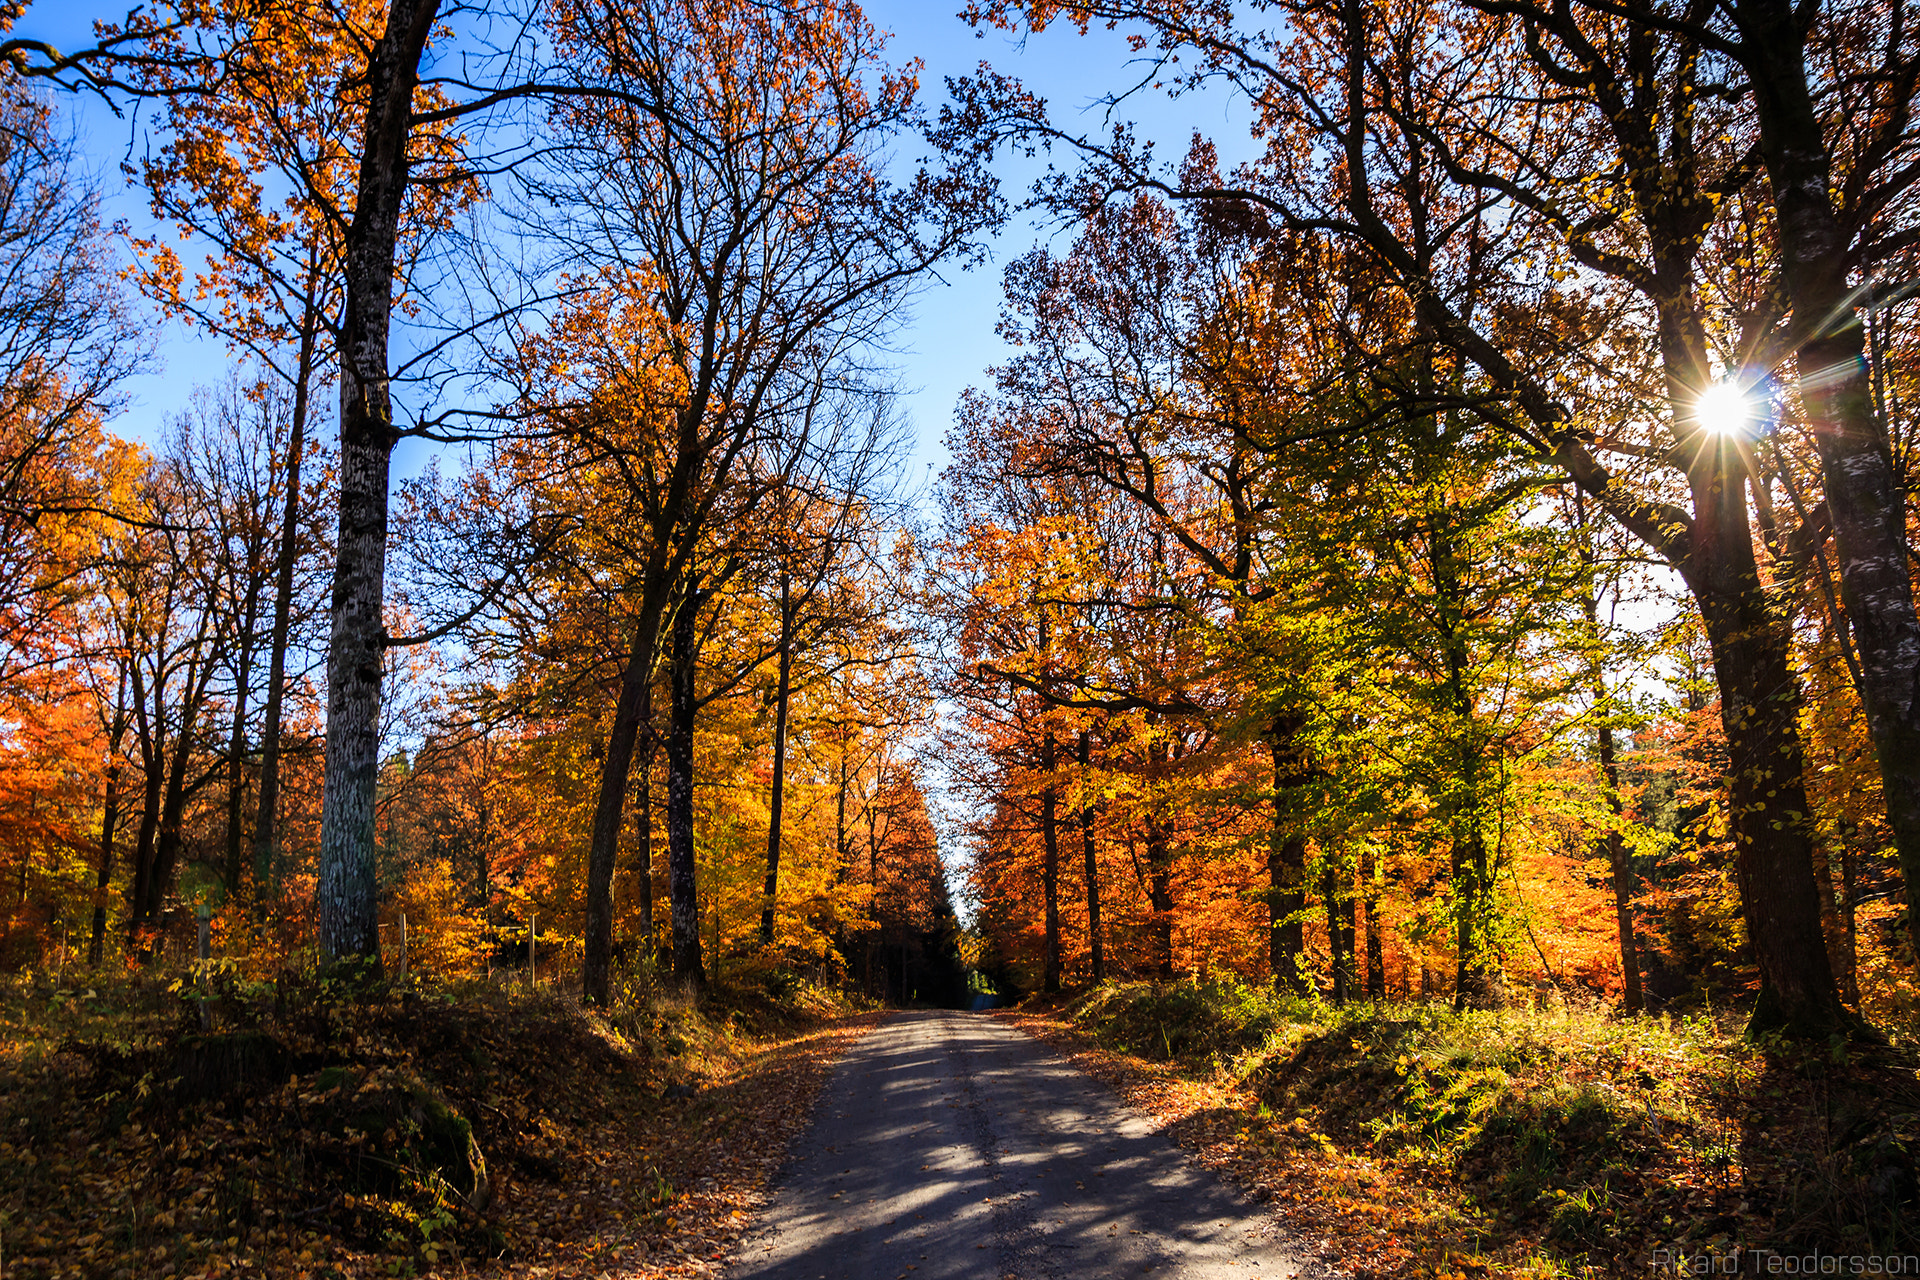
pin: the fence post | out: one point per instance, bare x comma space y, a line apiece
533, 927
403, 944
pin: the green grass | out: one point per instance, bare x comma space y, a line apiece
1585, 1134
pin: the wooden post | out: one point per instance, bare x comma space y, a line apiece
403, 944
533, 927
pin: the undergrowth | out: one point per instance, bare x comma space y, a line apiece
1567, 1140
207, 1123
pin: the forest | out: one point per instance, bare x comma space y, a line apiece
1462, 550
1451, 543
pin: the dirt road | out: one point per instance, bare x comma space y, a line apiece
951, 1145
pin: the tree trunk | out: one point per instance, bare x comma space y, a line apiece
1619, 861
674, 539
643, 827
1863, 497
1340, 935
166, 850
1159, 861
1160, 895
1370, 907
231, 871
1711, 546
173, 799
1621, 864
616, 766
1774, 865
266, 817
1759, 711
840, 818
1286, 873
1849, 918
1095, 946
782, 695
1477, 982
154, 767
348, 909
681, 866
109, 819
1050, 866
1832, 926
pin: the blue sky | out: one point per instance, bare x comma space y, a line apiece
949, 342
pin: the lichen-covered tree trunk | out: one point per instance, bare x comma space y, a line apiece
348, 909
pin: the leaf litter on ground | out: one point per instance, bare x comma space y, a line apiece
451, 1131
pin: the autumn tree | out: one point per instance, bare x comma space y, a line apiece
396, 136
754, 279
67, 340
1427, 167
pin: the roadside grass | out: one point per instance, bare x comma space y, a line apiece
215, 1125
1539, 1142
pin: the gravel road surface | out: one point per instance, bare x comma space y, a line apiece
951, 1145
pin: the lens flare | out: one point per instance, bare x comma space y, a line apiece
1724, 409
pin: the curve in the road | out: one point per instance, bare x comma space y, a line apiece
950, 1145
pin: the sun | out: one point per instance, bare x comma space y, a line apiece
1724, 409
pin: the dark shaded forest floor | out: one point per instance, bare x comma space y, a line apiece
432, 1129
1416, 1142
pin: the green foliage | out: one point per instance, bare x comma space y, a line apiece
1220, 1020
1594, 1135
